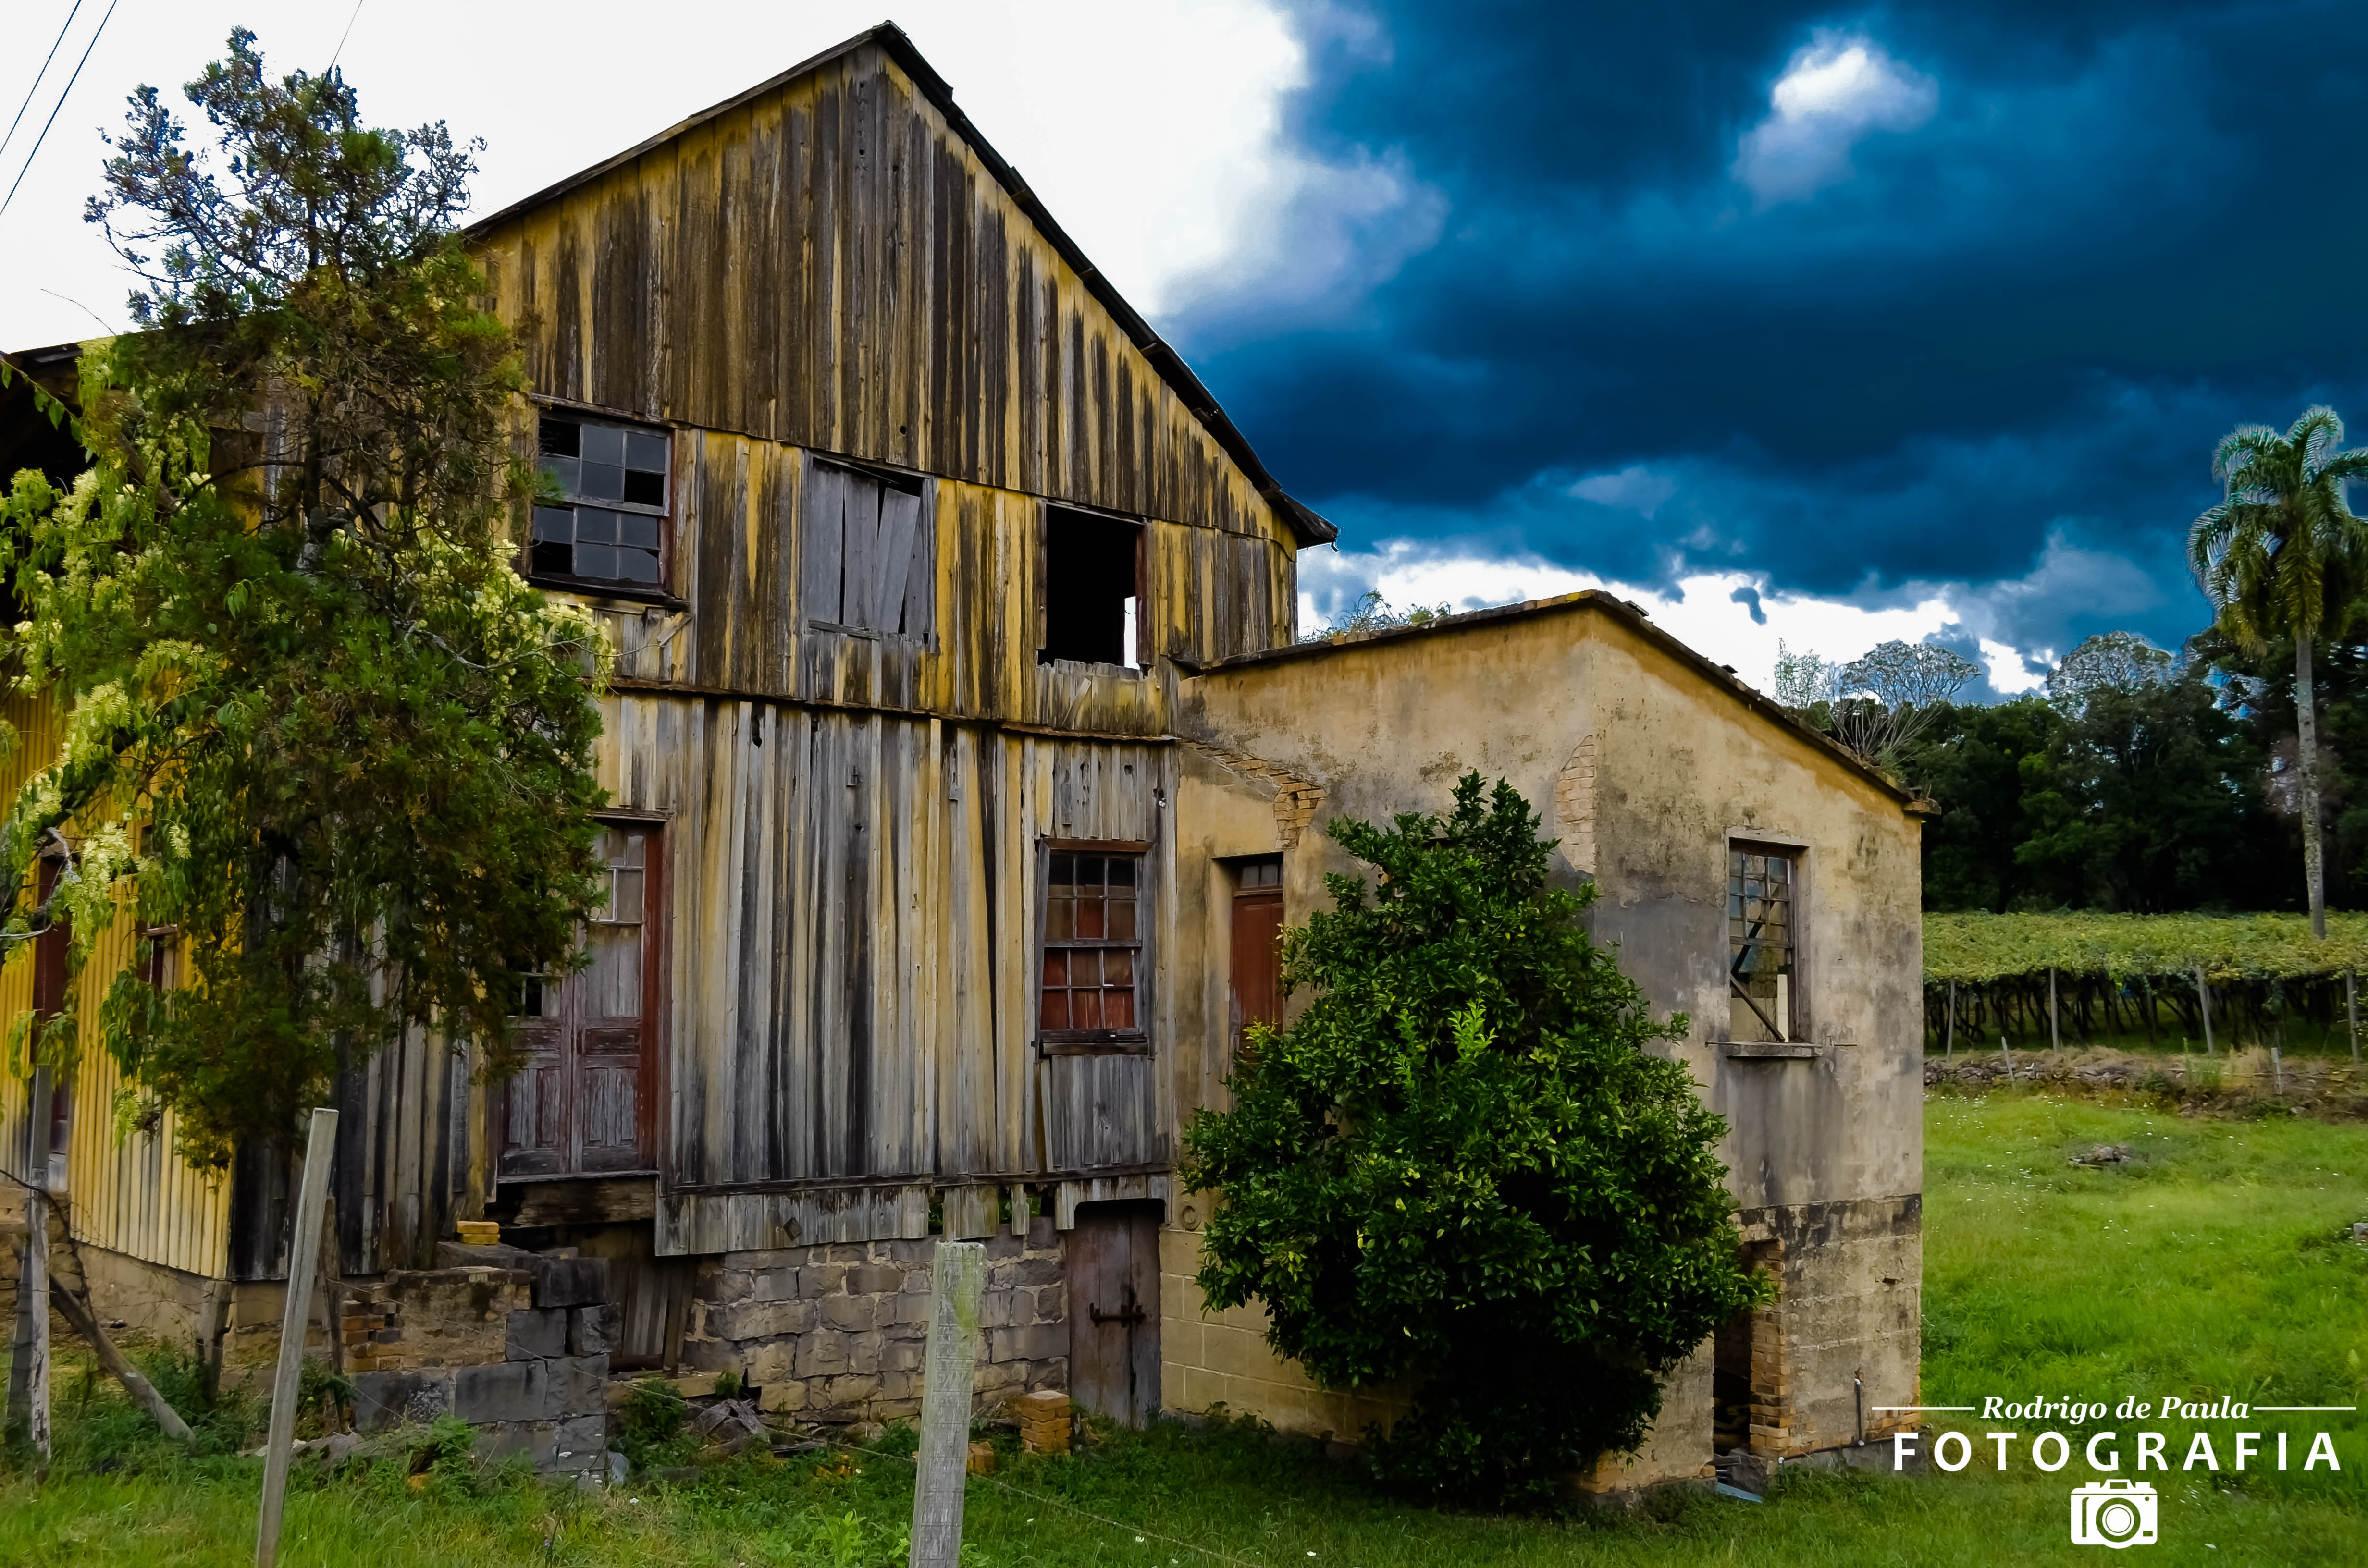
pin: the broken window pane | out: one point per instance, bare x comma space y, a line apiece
1761, 942
869, 561
1092, 949
613, 480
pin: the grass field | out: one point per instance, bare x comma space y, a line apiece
2212, 1264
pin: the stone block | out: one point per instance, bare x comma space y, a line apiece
534, 1441
901, 1355
787, 1395
907, 1311
759, 1320
1026, 1343
536, 1332
580, 1442
570, 1281
854, 1389
874, 1279
774, 1285
1002, 1245
594, 1330
505, 1391
851, 1314
394, 1399
1041, 1236
847, 1252
577, 1385
1040, 1271
821, 1279
773, 1362
821, 1352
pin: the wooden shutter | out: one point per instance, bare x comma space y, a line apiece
821, 570
869, 564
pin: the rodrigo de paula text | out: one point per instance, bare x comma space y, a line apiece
2103, 1451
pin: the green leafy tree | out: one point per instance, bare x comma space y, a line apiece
316, 723
2281, 555
1460, 1163
1975, 760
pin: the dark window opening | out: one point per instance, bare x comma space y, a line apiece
1762, 919
869, 562
607, 525
1093, 580
1090, 989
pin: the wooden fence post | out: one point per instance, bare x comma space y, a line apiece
2352, 1011
2203, 1005
2054, 1035
1949, 1046
28, 1359
295, 1318
2007, 1057
958, 1282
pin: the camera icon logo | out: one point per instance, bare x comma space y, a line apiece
2113, 1512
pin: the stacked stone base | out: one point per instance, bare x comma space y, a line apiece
517, 1346
836, 1333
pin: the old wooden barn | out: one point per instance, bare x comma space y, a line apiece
962, 766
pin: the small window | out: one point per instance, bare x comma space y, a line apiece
1093, 584
610, 525
1762, 922
869, 563
1091, 982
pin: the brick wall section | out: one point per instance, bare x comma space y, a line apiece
836, 1333
518, 1347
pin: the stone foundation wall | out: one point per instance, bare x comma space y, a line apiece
1850, 1304
520, 1353
836, 1333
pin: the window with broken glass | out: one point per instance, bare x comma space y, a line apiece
1090, 991
608, 526
1762, 918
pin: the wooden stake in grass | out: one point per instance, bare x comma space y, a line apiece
958, 1281
2054, 1035
295, 1317
2008, 1056
2352, 1011
1948, 1048
2203, 1005
28, 1360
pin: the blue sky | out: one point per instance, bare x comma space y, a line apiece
1816, 323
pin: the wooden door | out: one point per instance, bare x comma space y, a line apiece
1256, 972
1113, 1267
580, 1106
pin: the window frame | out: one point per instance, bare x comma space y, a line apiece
1135, 1041
909, 481
1795, 853
660, 592
1140, 652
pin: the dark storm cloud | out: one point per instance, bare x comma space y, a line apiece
2007, 294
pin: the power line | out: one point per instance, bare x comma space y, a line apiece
341, 36
38, 75
44, 136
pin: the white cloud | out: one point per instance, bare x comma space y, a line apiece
1149, 130
1633, 489
1703, 611
1834, 92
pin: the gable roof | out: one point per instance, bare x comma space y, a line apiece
1621, 613
1309, 528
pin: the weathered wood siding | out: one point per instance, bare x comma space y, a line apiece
852, 983
831, 266
735, 567
127, 1192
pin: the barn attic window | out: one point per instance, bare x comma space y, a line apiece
608, 525
869, 562
1093, 589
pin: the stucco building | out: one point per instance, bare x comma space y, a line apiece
964, 763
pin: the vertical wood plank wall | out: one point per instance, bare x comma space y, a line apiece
127, 1193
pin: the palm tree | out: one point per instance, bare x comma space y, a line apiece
2282, 555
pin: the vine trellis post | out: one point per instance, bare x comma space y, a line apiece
2203, 1005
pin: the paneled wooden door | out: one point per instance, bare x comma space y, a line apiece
1256, 978
581, 1105
1113, 1279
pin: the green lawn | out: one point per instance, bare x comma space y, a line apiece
2212, 1264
